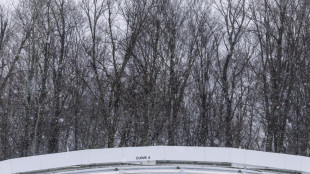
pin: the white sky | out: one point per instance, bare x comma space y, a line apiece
8, 3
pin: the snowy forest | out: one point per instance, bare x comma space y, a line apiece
83, 74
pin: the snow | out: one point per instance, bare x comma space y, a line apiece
61, 120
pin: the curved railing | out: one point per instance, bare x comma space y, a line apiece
237, 158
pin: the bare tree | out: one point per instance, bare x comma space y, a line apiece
234, 14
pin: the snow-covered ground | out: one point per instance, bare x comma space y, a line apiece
159, 159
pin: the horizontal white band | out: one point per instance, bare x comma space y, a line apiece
238, 157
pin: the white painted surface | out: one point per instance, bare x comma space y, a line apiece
240, 157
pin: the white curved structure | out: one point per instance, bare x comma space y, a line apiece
159, 159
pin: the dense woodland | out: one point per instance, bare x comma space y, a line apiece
81, 74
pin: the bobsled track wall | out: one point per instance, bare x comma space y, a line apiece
159, 159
